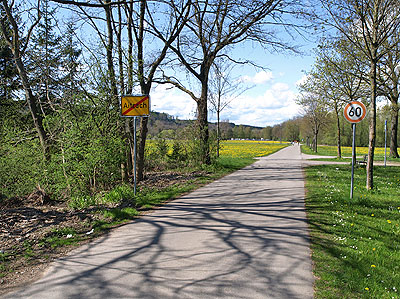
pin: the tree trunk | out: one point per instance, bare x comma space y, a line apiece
372, 126
316, 138
145, 89
218, 132
393, 130
109, 51
36, 116
202, 124
15, 43
141, 150
129, 11
124, 162
315, 145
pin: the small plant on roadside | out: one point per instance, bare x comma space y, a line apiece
178, 153
82, 201
28, 250
162, 147
121, 214
118, 194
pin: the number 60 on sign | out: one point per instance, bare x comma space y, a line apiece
355, 112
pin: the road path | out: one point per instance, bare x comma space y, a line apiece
243, 236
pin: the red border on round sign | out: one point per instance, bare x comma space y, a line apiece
361, 117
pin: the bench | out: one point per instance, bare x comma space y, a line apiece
363, 161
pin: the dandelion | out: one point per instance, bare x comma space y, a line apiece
374, 249
367, 289
372, 215
373, 266
389, 221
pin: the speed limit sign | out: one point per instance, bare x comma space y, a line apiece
355, 112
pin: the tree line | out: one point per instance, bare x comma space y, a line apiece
357, 59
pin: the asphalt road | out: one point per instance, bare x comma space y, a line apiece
243, 236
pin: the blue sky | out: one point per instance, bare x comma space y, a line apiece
269, 102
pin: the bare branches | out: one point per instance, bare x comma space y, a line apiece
15, 41
176, 83
372, 21
88, 3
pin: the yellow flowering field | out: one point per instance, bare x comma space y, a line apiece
235, 148
331, 150
364, 150
249, 148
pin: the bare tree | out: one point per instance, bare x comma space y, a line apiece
338, 77
367, 24
314, 106
18, 45
216, 26
223, 90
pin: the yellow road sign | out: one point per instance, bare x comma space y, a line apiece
135, 105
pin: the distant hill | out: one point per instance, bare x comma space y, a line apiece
160, 121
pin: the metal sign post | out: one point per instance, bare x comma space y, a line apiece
354, 112
134, 155
353, 160
385, 139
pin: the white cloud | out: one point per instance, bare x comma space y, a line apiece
259, 78
173, 102
302, 80
274, 106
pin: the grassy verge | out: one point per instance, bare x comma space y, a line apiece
355, 243
328, 150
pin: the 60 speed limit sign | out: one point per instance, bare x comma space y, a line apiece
355, 112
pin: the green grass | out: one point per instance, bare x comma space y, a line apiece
4, 258
355, 243
61, 237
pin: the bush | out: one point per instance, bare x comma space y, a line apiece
21, 168
178, 152
83, 159
118, 194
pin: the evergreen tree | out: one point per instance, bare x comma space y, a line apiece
9, 80
45, 60
70, 63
